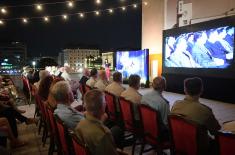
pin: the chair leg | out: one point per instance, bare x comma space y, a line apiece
52, 146
142, 148
45, 135
40, 125
133, 146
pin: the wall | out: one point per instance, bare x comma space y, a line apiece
152, 26
200, 10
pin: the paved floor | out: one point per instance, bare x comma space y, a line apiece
223, 112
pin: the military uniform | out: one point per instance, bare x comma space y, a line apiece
193, 110
97, 137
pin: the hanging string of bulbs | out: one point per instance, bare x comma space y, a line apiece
70, 4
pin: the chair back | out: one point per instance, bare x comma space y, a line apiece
80, 148
111, 106
226, 143
62, 132
82, 90
87, 88
127, 114
52, 123
26, 87
149, 118
185, 136
41, 106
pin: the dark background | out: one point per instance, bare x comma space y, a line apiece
107, 32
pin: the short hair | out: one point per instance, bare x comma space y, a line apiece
94, 101
43, 74
93, 72
117, 77
193, 86
60, 91
44, 86
134, 80
159, 83
102, 74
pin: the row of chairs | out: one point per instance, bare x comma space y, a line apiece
184, 133
62, 140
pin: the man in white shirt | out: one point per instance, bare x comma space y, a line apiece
115, 87
132, 94
102, 83
93, 76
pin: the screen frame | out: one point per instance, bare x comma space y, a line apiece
146, 84
205, 72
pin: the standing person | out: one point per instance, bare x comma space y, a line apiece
85, 76
91, 130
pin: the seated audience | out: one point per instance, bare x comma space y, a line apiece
91, 129
63, 96
5, 127
102, 83
85, 76
42, 75
132, 94
44, 87
115, 87
156, 100
11, 114
93, 76
192, 109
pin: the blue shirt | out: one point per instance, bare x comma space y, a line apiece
68, 115
155, 100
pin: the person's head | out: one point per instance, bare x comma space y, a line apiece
181, 44
44, 86
93, 73
212, 35
43, 74
134, 81
86, 72
159, 84
222, 33
62, 93
200, 37
95, 103
102, 75
117, 77
193, 86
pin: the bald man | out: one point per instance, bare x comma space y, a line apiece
156, 100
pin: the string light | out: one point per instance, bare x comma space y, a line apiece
1, 22
39, 7
46, 19
98, 1
97, 13
70, 4
65, 17
81, 15
25, 20
3, 11
110, 10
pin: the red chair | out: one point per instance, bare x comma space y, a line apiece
80, 147
27, 89
188, 137
226, 143
82, 90
129, 123
111, 106
63, 136
149, 118
53, 132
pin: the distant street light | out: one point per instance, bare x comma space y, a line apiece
34, 64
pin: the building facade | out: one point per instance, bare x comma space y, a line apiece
76, 58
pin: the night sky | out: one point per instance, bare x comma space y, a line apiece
120, 30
